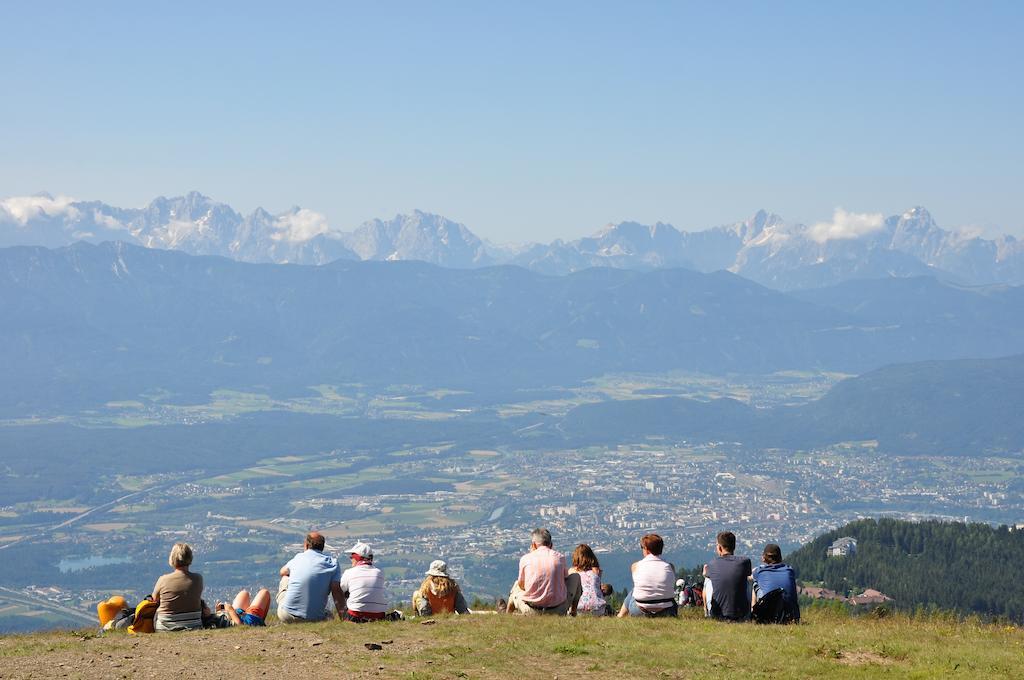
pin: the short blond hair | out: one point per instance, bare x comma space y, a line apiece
181, 555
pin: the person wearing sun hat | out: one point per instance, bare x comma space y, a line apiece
439, 593
363, 591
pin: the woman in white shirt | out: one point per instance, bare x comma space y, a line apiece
654, 582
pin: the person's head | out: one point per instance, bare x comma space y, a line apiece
726, 542
361, 553
438, 580
438, 568
606, 589
772, 554
315, 541
652, 543
181, 556
539, 537
584, 559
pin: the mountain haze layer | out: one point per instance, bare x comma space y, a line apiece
86, 324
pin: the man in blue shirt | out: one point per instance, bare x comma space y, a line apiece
306, 581
773, 574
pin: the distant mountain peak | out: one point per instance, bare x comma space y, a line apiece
763, 247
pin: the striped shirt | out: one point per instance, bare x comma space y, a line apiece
363, 584
542, 573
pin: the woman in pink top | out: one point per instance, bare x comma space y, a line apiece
584, 563
654, 582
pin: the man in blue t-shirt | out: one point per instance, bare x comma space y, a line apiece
773, 574
306, 581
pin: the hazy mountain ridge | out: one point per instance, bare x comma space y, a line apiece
958, 408
764, 248
122, 319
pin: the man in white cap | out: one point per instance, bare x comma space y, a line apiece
362, 587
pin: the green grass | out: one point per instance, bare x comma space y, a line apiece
499, 645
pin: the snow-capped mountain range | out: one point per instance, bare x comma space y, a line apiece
764, 248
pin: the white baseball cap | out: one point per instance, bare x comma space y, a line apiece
361, 549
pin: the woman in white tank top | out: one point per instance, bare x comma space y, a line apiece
654, 582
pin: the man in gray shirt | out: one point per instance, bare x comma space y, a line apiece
306, 581
727, 575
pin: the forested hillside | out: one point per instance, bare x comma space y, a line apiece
963, 567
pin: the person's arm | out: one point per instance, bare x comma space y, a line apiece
460, 603
522, 574
230, 611
421, 604
339, 599
156, 591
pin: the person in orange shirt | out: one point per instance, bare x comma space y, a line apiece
439, 593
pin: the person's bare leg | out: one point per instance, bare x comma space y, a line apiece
242, 600
262, 602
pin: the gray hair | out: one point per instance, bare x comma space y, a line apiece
541, 537
181, 556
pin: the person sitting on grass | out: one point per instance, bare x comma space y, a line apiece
654, 582
306, 582
585, 564
439, 593
178, 595
771, 575
607, 591
544, 585
364, 597
725, 584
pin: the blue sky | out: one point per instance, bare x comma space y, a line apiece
526, 121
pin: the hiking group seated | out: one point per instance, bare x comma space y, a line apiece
545, 585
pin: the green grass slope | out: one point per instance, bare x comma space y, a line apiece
501, 646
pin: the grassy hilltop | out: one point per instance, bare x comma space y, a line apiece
502, 646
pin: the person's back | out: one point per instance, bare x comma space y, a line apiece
728, 575
591, 597
543, 574
309, 578
363, 585
773, 574
180, 592
587, 569
544, 585
654, 582
439, 593
178, 595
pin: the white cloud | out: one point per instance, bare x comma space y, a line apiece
107, 221
300, 225
23, 209
846, 225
